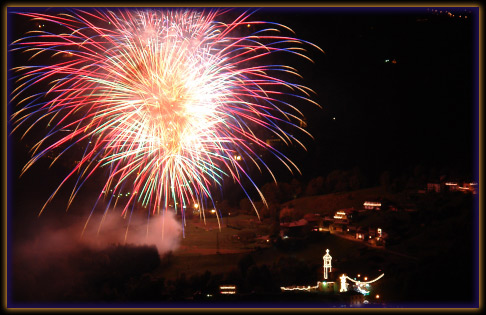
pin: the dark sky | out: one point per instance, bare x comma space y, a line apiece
376, 115
419, 110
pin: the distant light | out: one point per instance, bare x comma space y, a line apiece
377, 296
387, 60
334, 118
213, 211
248, 25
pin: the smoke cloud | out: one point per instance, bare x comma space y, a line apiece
56, 263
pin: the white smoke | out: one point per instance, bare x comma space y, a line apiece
162, 230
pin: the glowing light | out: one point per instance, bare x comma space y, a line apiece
371, 205
367, 282
227, 289
299, 288
340, 215
327, 263
377, 296
166, 98
344, 285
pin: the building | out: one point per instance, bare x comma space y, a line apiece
227, 289
361, 234
452, 186
341, 217
372, 205
433, 187
327, 285
469, 187
337, 227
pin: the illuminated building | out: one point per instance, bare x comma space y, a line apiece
344, 285
327, 264
352, 297
227, 289
321, 286
372, 205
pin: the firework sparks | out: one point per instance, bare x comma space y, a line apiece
165, 100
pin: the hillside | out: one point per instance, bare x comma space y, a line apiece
329, 203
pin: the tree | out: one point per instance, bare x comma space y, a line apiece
244, 263
357, 179
315, 186
246, 205
385, 180
335, 180
296, 188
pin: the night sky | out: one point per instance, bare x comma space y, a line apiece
398, 88
419, 110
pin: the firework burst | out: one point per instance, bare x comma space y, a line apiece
166, 100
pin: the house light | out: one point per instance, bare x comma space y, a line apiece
340, 215
372, 204
327, 263
343, 283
